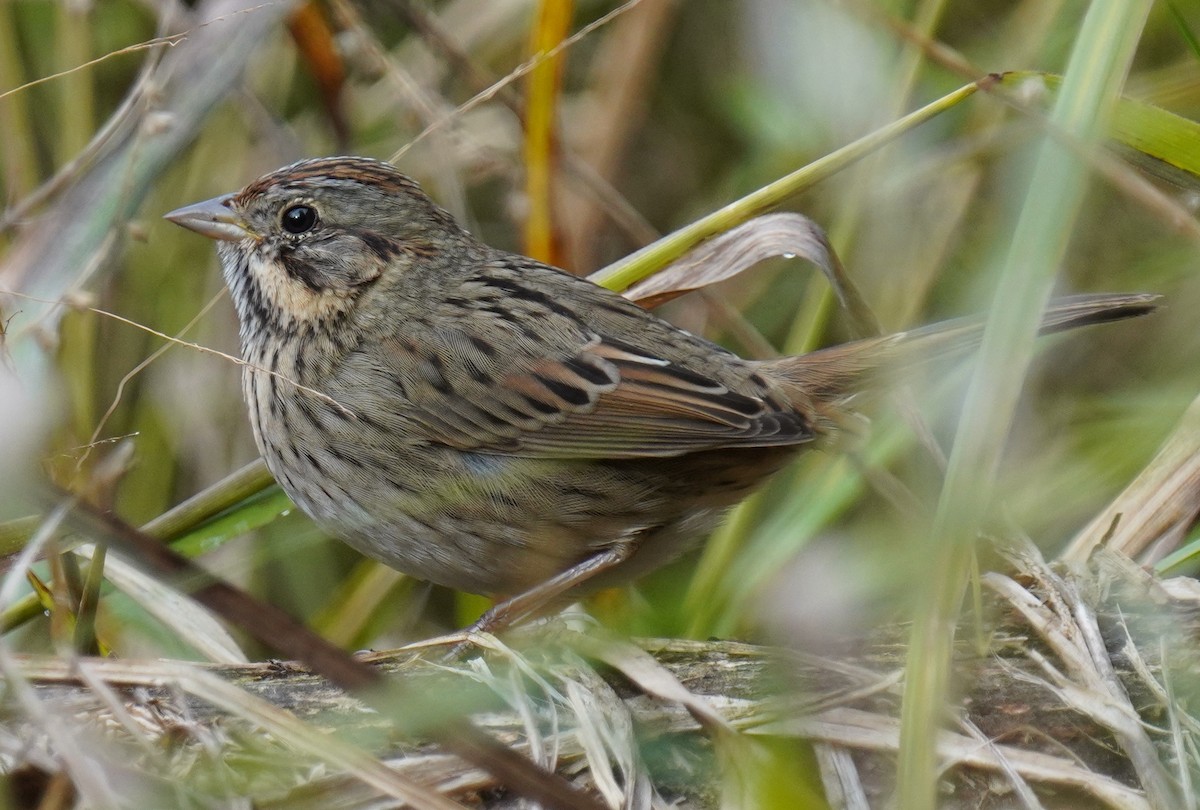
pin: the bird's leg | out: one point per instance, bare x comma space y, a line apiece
547, 594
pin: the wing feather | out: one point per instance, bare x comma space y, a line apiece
606, 399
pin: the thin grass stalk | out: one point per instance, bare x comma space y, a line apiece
550, 28
653, 258
86, 640
1100, 58
76, 101
719, 553
18, 156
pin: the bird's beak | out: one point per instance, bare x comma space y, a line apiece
212, 218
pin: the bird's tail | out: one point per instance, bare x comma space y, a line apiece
832, 374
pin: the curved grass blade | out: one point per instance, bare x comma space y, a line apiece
721, 258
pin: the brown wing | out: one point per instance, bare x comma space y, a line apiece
606, 399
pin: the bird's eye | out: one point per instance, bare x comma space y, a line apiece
299, 219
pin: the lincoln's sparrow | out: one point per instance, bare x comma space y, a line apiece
478, 419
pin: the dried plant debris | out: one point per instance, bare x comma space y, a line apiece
1083, 699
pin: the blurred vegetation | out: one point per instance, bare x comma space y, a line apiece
657, 116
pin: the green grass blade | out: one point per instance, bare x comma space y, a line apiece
653, 258
1098, 63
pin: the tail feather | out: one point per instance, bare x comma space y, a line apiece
840, 371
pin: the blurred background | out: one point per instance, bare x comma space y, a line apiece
653, 114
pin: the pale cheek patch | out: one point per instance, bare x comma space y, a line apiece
291, 297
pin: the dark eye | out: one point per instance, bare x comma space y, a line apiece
299, 219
